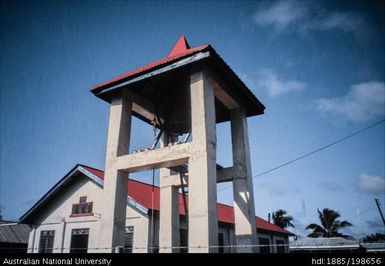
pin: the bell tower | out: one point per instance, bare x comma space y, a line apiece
184, 94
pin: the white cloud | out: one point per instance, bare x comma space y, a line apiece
371, 184
275, 86
345, 22
362, 102
340, 21
305, 16
280, 14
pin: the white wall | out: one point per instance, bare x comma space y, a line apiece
284, 239
273, 239
59, 208
140, 222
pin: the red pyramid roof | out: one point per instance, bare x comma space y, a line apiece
180, 47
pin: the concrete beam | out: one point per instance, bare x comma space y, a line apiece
224, 97
225, 174
142, 106
203, 222
244, 212
151, 159
174, 180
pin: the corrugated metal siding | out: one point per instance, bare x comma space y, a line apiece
14, 233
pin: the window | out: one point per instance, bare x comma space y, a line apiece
83, 199
46, 241
79, 240
280, 246
221, 249
264, 248
183, 240
128, 239
82, 208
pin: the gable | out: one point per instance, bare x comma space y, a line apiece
58, 205
57, 202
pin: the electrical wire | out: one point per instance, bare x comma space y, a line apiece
312, 152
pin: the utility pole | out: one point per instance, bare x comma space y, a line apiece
379, 209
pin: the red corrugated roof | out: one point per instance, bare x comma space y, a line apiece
142, 193
180, 50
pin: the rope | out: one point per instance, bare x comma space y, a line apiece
355, 245
156, 247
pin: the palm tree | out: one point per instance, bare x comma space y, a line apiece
281, 219
329, 225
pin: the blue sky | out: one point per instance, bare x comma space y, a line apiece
318, 67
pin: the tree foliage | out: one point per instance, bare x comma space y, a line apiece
374, 238
281, 219
330, 224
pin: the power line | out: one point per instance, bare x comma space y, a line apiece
313, 152
354, 215
354, 208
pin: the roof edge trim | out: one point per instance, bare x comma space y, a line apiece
185, 61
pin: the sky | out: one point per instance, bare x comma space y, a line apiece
317, 66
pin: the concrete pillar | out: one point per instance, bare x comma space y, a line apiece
169, 209
203, 222
31, 240
113, 218
244, 212
169, 219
